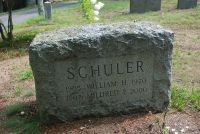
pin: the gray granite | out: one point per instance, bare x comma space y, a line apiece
186, 4
48, 10
102, 69
141, 6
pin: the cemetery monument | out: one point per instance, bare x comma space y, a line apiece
99, 69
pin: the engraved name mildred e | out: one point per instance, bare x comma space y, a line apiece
113, 79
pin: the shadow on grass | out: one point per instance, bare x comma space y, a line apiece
22, 118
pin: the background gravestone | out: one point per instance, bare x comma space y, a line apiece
185, 4
48, 10
140, 6
97, 70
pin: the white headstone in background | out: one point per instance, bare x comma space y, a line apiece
48, 10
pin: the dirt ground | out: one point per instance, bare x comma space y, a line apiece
187, 121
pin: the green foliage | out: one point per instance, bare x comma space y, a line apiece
14, 108
179, 98
25, 36
182, 97
25, 74
87, 8
18, 90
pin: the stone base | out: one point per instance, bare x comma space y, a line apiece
186, 4
140, 6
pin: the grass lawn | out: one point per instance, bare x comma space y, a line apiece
186, 54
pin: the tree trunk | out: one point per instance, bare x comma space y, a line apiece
10, 24
10, 4
40, 7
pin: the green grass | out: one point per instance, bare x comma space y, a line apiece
168, 16
25, 74
183, 97
185, 89
195, 98
18, 90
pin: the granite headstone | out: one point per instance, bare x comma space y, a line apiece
98, 69
48, 10
186, 4
141, 6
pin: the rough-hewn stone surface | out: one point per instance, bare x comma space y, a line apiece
141, 6
185, 4
102, 69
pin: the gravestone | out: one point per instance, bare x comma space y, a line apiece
141, 6
98, 70
48, 10
186, 4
